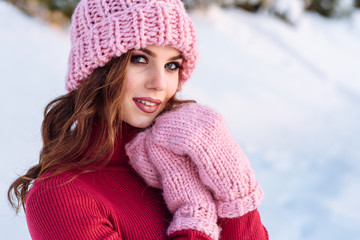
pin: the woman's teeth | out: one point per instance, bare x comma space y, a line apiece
146, 103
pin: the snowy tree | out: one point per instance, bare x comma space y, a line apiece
250, 5
333, 8
58, 12
289, 10
65, 6
191, 4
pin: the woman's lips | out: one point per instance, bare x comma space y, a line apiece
147, 104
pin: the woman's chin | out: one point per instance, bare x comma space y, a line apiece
140, 124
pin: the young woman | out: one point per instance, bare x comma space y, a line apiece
122, 158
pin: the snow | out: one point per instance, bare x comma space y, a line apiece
292, 10
346, 4
290, 95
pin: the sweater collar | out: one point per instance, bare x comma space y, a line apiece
124, 135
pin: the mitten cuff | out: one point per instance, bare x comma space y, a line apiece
202, 219
240, 206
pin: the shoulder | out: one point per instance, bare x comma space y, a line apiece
59, 192
47, 183
56, 206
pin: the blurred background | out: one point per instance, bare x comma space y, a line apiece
283, 73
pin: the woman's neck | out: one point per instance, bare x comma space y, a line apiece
125, 134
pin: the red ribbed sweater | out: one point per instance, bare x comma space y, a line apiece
114, 203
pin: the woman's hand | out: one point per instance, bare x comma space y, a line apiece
200, 133
184, 193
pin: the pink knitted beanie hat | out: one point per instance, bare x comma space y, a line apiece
103, 29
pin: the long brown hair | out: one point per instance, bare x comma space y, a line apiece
68, 123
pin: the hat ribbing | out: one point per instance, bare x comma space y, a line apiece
103, 29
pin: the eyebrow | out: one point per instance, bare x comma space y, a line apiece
147, 51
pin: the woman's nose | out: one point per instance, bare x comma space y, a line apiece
157, 79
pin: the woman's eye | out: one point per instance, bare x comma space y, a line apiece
173, 66
138, 59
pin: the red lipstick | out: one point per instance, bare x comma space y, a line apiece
147, 104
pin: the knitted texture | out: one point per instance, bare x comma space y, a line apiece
112, 203
201, 133
251, 227
183, 191
103, 29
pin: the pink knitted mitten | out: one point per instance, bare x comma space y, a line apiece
184, 193
201, 133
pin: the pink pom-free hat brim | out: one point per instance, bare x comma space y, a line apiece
102, 30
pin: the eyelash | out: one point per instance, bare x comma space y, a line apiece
135, 60
177, 66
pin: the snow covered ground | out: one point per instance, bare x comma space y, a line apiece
290, 95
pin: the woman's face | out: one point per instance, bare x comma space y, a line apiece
151, 79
